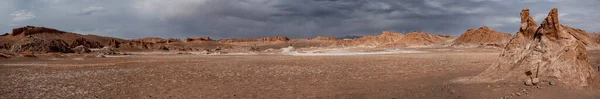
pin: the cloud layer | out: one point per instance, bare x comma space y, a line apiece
294, 18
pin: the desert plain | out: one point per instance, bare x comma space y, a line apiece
549, 61
170, 75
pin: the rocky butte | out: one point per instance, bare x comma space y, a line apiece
549, 52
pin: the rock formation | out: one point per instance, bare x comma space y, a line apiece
595, 37
108, 51
114, 43
152, 40
483, 36
203, 38
324, 38
163, 48
29, 30
266, 39
86, 43
5, 46
38, 45
81, 49
547, 52
172, 40
581, 35
137, 45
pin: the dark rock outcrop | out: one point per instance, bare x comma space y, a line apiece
203, 38
38, 45
86, 43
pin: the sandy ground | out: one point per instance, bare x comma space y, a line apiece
392, 76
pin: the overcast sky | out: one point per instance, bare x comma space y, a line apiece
292, 18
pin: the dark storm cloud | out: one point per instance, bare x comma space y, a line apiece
294, 18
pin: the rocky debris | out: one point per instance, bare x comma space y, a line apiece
114, 43
5, 46
152, 40
324, 38
38, 45
29, 30
548, 51
206, 52
28, 53
203, 38
254, 49
288, 50
528, 82
108, 51
81, 49
163, 48
86, 43
2, 55
266, 39
483, 36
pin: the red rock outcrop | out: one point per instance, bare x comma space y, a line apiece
483, 36
266, 39
28, 30
86, 43
547, 52
203, 38
137, 45
114, 43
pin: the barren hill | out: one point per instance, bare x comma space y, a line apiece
483, 36
265, 39
416, 38
386, 38
42, 37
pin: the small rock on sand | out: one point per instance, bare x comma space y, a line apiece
101, 56
528, 82
535, 80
